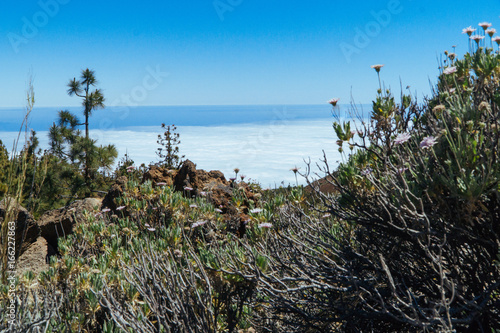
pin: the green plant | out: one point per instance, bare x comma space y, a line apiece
169, 150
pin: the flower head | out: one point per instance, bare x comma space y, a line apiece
366, 171
151, 229
491, 32
105, 210
496, 39
334, 101
485, 25
193, 206
402, 138
439, 108
450, 70
377, 67
198, 224
428, 142
120, 208
187, 188
265, 225
218, 210
161, 184
256, 210
468, 31
295, 170
477, 38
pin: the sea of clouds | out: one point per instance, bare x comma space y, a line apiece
264, 151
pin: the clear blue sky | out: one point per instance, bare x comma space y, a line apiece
228, 51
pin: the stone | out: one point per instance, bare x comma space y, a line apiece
158, 174
115, 192
27, 230
60, 222
36, 257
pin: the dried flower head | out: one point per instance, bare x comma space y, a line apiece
439, 108
484, 106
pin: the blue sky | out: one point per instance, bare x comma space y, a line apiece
234, 52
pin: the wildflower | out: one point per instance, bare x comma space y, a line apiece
452, 56
236, 170
295, 170
485, 25
366, 171
105, 210
130, 168
242, 177
334, 101
147, 225
161, 184
203, 194
327, 215
377, 67
402, 170
452, 90
496, 40
438, 108
218, 210
428, 142
151, 229
265, 225
198, 224
450, 70
187, 188
256, 210
178, 253
402, 138
193, 206
120, 208
484, 106
477, 38
468, 31
491, 32
232, 179
98, 214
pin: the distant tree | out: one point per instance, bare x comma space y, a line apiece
92, 100
78, 152
169, 152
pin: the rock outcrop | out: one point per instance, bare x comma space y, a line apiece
36, 257
115, 192
27, 230
59, 222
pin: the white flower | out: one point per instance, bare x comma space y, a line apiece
256, 210
198, 224
402, 138
265, 225
450, 70
428, 142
